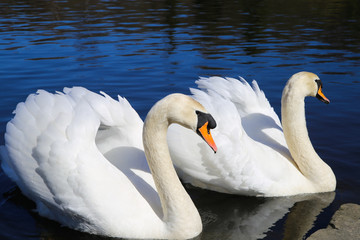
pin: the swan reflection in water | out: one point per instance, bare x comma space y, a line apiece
236, 217
226, 217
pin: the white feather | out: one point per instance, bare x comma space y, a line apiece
52, 154
253, 157
79, 156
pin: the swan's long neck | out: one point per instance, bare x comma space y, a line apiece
298, 141
179, 212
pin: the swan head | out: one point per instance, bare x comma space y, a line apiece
189, 113
205, 122
307, 84
185, 111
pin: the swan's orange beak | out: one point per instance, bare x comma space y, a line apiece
320, 95
204, 132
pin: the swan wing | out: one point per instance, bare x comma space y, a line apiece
252, 153
79, 156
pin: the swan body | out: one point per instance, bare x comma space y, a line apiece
79, 156
258, 156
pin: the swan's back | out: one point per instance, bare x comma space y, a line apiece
55, 147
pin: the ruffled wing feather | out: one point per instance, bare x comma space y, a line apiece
55, 151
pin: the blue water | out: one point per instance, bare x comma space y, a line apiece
144, 50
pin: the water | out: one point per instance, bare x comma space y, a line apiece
144, 50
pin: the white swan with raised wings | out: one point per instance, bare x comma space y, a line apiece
78, 155
258, 156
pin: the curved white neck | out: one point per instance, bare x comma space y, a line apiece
179, 212
298, 141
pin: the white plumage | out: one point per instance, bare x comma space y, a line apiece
253, 156
79, 156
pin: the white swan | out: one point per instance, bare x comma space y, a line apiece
254, 156
79, 156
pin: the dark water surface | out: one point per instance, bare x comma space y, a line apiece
144, 50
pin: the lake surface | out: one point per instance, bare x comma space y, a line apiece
144, 50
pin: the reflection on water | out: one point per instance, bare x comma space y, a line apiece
224, 217
234, 217
144, 50
216, 29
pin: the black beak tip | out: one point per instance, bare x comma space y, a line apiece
322, 99
325, 101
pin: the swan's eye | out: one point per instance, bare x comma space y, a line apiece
319, 83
